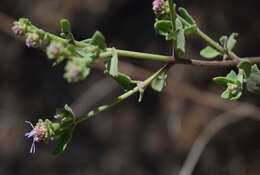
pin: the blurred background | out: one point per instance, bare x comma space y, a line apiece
150, 138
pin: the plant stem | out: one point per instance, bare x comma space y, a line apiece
137, 55
124, 96
210, 41
155, 57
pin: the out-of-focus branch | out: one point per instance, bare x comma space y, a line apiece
220, 122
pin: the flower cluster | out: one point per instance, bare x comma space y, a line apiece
42, 131
47, 130
78, 60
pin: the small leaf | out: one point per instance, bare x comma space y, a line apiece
65, 26
163, 27
190, 29
231, 42
63, 142
253, 81
209, 53
159, 83
180, 41
223, 40
246, 66
232, 76
125, 81
99, 40
185, 15
225, 94
221, 81
112, 64
171, 36
66, 30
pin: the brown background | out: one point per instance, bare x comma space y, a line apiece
150, 138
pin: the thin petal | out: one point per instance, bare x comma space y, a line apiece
32, 150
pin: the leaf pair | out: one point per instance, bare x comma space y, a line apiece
228, 44
160, 82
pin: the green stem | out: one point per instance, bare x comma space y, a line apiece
210, 41
124, 96
137, 55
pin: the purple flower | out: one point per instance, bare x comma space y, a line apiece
37, 134
158, 6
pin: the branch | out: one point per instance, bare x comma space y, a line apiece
219, 123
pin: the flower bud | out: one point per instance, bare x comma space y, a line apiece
77, 69
19, 29
32, 40
158, 6
54, 51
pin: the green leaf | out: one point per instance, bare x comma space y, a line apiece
231, 42
209, 53
253, 81
234, 84
112, 65
125, 81
63, 142
190, 29
246, 67
163, 27
222, 81
66, 30
232, 76
65, 26
99, 40
159, 83
223, 40
185, 15
180, 41
171, 36
225, 94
